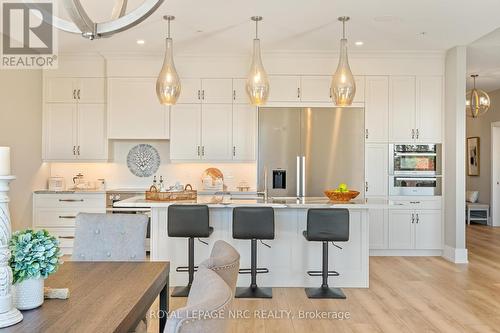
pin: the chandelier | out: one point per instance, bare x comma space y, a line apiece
120, 21
477, 101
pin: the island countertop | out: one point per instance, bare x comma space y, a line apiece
227, 202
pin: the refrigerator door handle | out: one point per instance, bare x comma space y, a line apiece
303, 176
298, 177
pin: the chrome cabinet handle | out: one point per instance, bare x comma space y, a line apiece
412, 218
366, 186
78, 150
366, 133
199, 94
234, 95
234, 150
78, 94
417, 133
418, 218
74, 150
413, 133
66, 237
198, 150
74, 93
71, 200
67, 217
202, 150
298, 92
203, 94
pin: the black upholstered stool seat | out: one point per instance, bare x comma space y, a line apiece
326, 225
189, 221
254, 223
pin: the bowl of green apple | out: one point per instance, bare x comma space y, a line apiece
341, 193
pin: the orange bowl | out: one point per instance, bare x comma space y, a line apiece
341, 196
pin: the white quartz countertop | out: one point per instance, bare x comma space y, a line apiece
217, 202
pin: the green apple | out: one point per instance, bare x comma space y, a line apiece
343, 188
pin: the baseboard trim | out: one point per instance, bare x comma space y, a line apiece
405, 253
457, 256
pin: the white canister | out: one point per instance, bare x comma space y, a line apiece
28, 294
4, 161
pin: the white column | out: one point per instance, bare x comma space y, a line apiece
8, 314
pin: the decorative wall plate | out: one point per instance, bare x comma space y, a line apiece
143, 160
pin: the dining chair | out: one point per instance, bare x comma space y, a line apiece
225, 261
206, 308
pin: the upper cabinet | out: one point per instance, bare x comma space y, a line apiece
315, 88
206, 91
376, 109
244, 132
240, 91
284, 88
415, 109
74, 90
134, 111
190, 91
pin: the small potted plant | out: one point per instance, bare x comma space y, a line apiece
34, 256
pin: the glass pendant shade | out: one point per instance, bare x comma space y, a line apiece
257, 85
343, 86
168, 84
477, 101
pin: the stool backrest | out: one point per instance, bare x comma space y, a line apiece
188, 221
253, 222
328, 224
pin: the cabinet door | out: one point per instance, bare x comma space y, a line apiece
376, 108
428, 230
60, 90
401, 108
315, 88
92, 141
217, 91
359, 97
239, 91
429, 109
60, 131
376, 174
216, 132
401, 228
244, 132
190, 91
134, 111
91, 90
378, 228
284, 89
185, 132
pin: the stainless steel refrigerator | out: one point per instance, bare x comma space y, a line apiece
304, 151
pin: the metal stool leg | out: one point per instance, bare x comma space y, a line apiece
184, 291
253, 291
325, 291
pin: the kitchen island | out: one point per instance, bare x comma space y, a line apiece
290, 255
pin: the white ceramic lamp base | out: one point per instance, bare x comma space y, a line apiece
9, 315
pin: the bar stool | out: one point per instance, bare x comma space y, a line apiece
189, 221
254, 223
326, 225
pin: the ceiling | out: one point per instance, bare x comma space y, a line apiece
222, 26
483, 58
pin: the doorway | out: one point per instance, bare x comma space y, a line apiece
495, 174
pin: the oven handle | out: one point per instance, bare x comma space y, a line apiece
416, 178
414, 154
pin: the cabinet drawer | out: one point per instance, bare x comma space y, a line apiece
70, 201
47, 217
417, 203
65, 236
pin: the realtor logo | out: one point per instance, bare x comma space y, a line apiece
28, 35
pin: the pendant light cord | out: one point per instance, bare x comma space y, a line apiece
343, 29
256, 29
168, 29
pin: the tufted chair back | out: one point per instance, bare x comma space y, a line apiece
207, 306
110, 237
225, 261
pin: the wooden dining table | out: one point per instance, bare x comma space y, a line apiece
104, 297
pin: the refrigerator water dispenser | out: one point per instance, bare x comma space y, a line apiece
279, 179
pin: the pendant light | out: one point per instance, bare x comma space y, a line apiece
477, 101
343, 87
168, 84
257, 85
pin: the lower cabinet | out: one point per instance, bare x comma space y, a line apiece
415, 229
378, 228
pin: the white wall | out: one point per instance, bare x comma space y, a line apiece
21, 129
481, 127
454, 155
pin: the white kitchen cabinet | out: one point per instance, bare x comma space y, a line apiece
284, 88
429, 109
91, 133
216, 132
239, 91
415, 229
74, 90
428, 230
401, 231
59, 131
359, 97
376, 173
402, 107
315, 88
376, 108
190, 91
74, 132
134, 111
217, 91
244, 132
185, 134
378, 228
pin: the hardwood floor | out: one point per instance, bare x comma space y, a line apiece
406, 294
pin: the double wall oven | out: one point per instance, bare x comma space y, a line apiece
415, 169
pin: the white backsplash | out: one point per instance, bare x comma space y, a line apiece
117, 174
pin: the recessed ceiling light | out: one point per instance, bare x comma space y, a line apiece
140, 41
359, 43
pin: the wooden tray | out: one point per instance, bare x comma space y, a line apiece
172, 196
